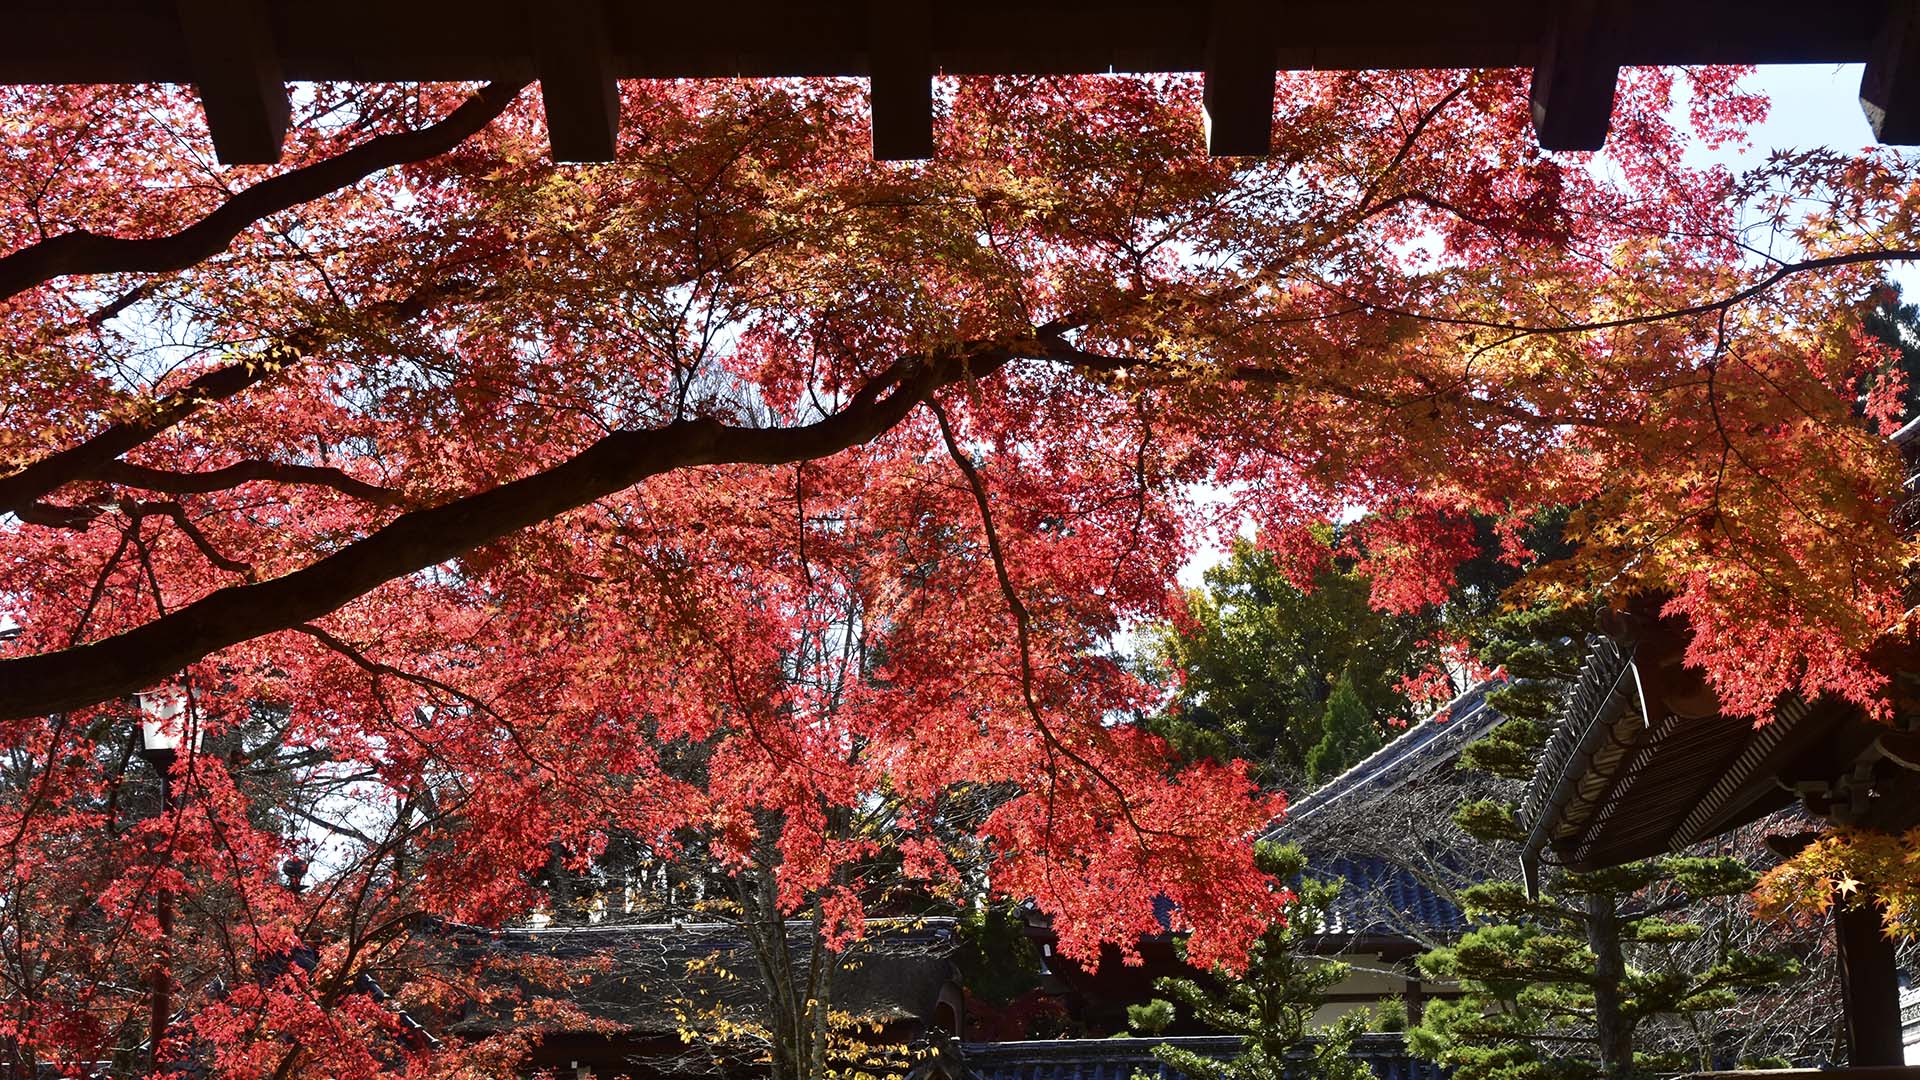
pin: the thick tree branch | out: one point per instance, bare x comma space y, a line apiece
90, 253
135, 659
57, 516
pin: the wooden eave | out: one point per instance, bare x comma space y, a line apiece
1615, 786
1643, 761
240, 53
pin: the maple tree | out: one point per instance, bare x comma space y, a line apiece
1897, 325
482, 478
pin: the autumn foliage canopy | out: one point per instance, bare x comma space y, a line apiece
470, 489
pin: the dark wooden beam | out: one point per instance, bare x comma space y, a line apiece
1573, 81
1240, 70
577, 78
133, 41
900, 73
236, 69
1890, 86
1869, 983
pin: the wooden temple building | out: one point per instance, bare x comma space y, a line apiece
1643, 762
241, 53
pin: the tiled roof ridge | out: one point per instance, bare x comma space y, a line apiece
1461, 717
1128, 1058
1366, 1042
1095, 1047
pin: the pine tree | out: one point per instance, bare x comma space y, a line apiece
1574, 982
1271, 1005
1348, 732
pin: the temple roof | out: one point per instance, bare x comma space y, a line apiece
1424, 748
1642, 761
1380, 899
238, 57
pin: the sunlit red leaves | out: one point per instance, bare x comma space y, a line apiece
1347, 329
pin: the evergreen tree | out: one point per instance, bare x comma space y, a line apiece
1271, 1005
1564, 985
1348, 733
1573, 982
1260, 659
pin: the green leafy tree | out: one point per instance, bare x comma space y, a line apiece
1271, 1005
1576, 981
994, 954
1003, 979
1261, 659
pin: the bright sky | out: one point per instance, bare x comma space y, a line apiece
1813, 105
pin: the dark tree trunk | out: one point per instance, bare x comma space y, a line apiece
1869, 984
1613, 1034
797, 987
